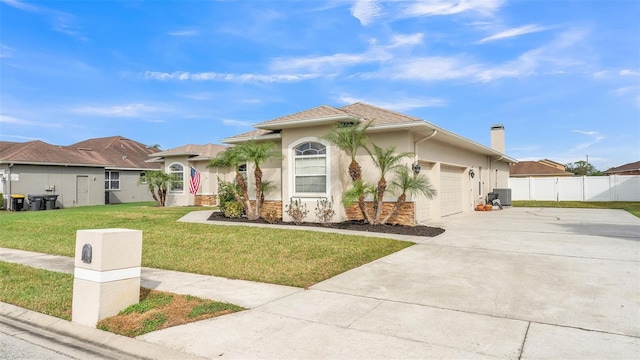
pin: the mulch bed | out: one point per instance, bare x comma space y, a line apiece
356, 225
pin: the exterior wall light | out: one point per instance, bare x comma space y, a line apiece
472, 173
416, 168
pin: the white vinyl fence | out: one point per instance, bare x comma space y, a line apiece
579, 188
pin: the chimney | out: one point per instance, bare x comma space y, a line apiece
497, 138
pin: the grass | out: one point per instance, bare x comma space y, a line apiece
286, 257
633, 207
159, 310
43, 291
51, 293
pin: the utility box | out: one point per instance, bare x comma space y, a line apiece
504, 195
107, 273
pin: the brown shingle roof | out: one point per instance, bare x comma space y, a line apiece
634, 166
41, 152
535, 168
201, 152
254, 134
117, 152
378, 116
317, 112
113, 152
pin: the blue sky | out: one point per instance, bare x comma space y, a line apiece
562, 76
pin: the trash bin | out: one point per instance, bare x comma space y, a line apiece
50, 201
17, 202
36, 202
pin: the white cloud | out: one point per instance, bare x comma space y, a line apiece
366, 11
5, 51
602, 74
183, 33
22, 5
404, 40
449, 7
400, 103
128, 110
231, 122
595, 138
513, 32
60, 21
626, 90
7, 119
429, 69
227, 77
627, 72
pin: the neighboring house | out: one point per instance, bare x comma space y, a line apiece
542, 168
92, 172
312, 169
178, 161
626, 169
556, 165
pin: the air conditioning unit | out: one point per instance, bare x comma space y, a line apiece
504, 195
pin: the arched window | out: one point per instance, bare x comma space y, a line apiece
310, 168
177, 183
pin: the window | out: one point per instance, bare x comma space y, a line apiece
310, 168
177, 171
242, 169
112, 180
143, 178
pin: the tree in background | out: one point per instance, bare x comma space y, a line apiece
583, 168
158, 182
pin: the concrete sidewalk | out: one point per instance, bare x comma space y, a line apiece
512, 284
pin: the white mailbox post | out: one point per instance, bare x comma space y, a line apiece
107, 273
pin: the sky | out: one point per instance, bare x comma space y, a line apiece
562, 76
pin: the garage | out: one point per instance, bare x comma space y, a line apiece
450, 190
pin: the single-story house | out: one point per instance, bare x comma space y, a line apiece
626, 169
541, 168
92, 172
462, 171
179, 161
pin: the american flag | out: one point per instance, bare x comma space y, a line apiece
194, 184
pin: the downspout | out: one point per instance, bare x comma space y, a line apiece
415, 145
415, 161
9, 188
491, 168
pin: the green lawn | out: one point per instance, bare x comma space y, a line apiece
286, 257
630, 206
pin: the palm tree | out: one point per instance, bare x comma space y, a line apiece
232, 158
159, 181
258, 153
412, 184
356, 193
350, 138
386, 160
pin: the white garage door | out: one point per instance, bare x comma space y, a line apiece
450, 190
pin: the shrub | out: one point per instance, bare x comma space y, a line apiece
1, 201
297, 211
233, 209
271, 216
324, 211
226, 194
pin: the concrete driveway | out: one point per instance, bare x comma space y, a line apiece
517, 283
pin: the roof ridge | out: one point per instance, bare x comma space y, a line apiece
412, 118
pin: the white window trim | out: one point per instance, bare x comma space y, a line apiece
292, 176
113, 171
183, 178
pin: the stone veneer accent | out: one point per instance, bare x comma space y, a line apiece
270, 205
206, 200
404, 216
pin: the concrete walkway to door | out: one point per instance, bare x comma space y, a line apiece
513, 284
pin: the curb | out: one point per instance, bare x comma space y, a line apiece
32, 326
